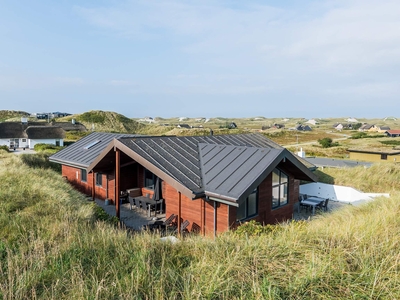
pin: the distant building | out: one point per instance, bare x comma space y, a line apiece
187, 126
25, 135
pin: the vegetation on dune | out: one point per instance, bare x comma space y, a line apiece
52, 247
6, 115
106, 121
379, 178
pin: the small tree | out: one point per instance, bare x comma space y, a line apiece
327, 142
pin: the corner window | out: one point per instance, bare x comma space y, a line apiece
248, 207
99, 179
280, 187
83, 175
149, 179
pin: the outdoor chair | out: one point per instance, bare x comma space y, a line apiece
324, 204
301, 205
195, 228
132, 202
184, 226
170, 220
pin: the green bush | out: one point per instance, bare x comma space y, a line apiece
50, 148
394, 143
4, 147
327, 143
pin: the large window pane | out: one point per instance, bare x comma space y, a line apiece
275, 196
275, 177
252, 204
149, 179
241, 210
248, 207
83, 175
280, 188
283, 194
99, 179
284, 178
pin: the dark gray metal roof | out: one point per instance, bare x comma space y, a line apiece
224, 166
77, 155
336, 163
229, 171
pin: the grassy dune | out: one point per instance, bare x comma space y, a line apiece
53, 246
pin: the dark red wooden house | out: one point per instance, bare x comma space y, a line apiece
214, 182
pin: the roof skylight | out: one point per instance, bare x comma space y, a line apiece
91, 144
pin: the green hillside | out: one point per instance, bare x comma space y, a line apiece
12, 115
54, 244
106, 121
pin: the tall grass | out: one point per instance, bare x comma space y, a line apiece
379, 178
52, 247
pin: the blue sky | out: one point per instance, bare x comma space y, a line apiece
202, 58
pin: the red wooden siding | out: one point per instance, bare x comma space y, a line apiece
197, 211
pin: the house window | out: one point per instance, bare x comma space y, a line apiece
384, 156
99, 179
280, 188
24, 140
83, 175
149, 179
248, 207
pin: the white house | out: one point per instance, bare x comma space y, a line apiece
21, 135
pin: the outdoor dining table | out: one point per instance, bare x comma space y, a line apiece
150, 203
312, 202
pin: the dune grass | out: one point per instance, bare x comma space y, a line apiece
52, 246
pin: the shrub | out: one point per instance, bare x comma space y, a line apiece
359, 135
4, 147
394, 143
47, 148
327, 143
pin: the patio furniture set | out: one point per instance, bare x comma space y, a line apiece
313, 202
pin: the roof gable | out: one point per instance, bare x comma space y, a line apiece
229, 171
80, 155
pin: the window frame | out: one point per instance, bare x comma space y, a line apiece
384, 156
245, 202
83, 175
99, 179
279, 187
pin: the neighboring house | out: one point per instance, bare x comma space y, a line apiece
312, 122
232, 125
352, 120
278, 126
70, 126
366, 127
214, 182
341, 126
45, 135
393, 133
22, 135
383, 128
187, 126
375, 155
302, 128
